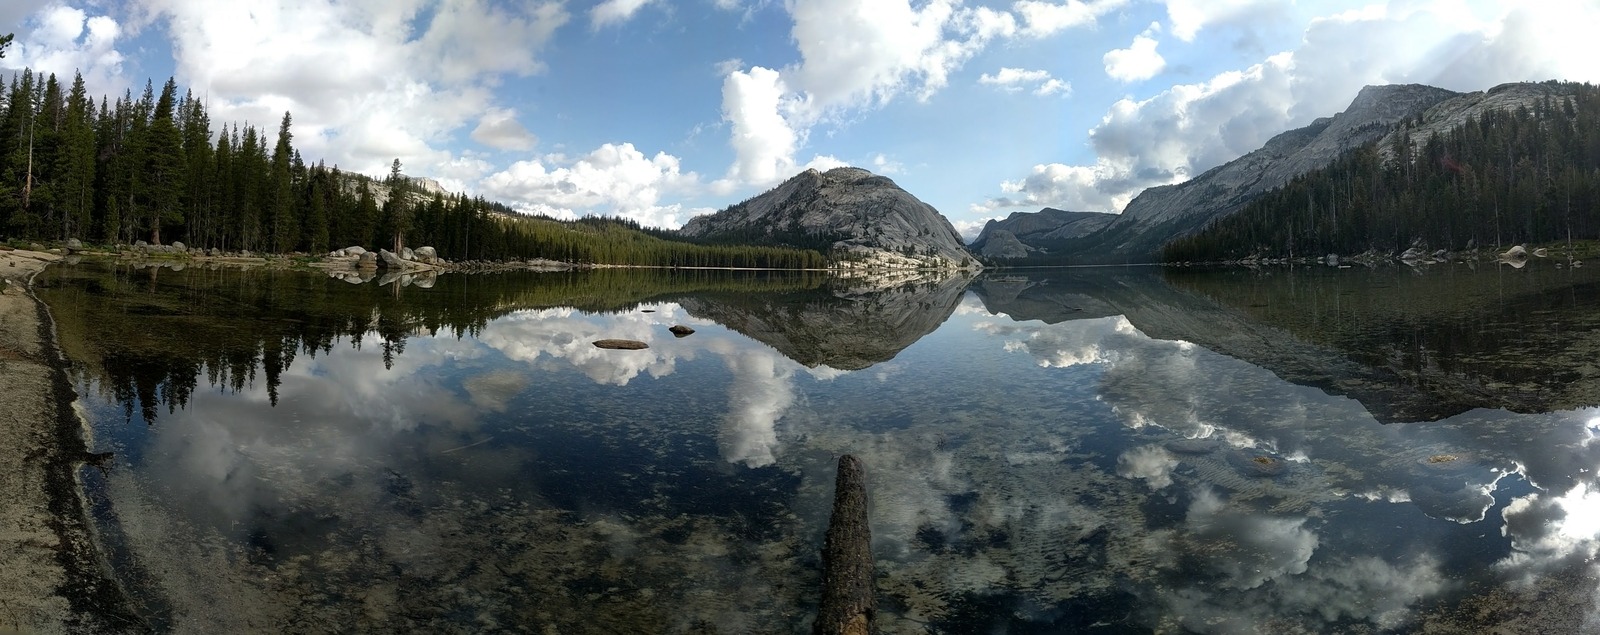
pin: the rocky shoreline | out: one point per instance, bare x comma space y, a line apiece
52, 576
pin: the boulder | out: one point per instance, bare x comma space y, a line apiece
1542, 252
179, 247
407, 254
1414, 253
74, 244
681, 331
621, 345
427, 255
1515, 253
367, 260
139, 244
354, 251
388, 258
425, 280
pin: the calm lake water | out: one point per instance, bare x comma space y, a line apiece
1088, 450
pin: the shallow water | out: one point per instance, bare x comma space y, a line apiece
1077, 450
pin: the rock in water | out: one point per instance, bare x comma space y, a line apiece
367, 260
847, 211
354, 251
681, 331
427, 255
74, 244
621, 345
407, 254
390, 259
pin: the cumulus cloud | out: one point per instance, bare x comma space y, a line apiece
614, 179
65, 40
1138, 62
1189, 128
614, 12
1044, 19
500, 129
857, 56
406, 80
1188, 17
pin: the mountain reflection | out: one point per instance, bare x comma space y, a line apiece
842, 326
1409, 345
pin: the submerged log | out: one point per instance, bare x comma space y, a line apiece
622, 345
848, 602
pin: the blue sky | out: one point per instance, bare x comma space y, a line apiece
659, 110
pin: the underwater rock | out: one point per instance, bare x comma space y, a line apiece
681, 331
621, 345
1257, 463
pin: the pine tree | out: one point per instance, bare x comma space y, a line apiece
162, 184
399, 206
75, 163
284, 226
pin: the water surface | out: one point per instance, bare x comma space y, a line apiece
1081, 450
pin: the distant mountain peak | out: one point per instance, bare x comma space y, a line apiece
862, 218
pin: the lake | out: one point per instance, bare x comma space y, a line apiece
1073, 450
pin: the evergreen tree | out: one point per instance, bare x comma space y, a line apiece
162, 183
75, 163
284, 226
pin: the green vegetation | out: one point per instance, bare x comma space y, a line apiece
1526, 175
151, 168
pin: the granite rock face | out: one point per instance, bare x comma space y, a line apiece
858, 216
1023, 233
1162, 213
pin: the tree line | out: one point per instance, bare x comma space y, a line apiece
1528, 174
152, 168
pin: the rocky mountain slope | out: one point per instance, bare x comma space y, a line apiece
1023, 233
1161, 213
862, 219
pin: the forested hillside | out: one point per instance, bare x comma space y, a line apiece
1525, 175
152, 168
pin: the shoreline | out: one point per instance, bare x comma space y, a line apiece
52, 576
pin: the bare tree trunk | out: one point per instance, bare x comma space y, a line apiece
848, 601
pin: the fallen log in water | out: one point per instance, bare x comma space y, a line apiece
848, 601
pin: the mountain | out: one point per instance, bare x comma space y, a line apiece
1023, 233
1162, 213
1515, 164
860, 218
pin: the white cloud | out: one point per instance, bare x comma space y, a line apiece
1138, 62
1014, 80
969, 229
884, 165
612, 180
1190, 128
65, 40
1049, 18
1188, 17
763, 141
500, 129
615, 12
405, 82
855, 56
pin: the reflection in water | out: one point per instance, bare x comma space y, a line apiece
1036, 460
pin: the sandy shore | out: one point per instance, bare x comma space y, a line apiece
51, 579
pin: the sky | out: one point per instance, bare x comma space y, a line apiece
659, 111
